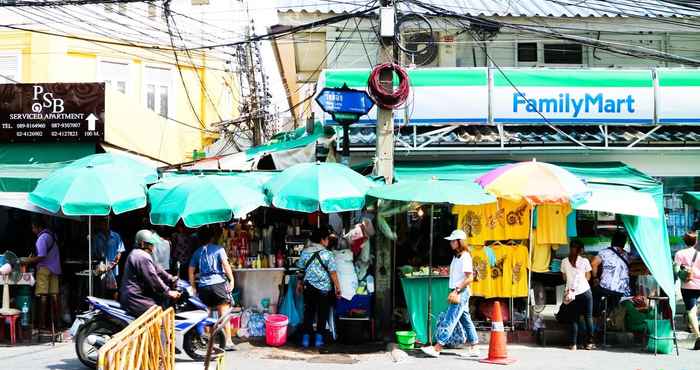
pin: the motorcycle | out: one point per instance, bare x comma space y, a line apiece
92, 329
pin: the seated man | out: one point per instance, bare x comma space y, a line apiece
144, 284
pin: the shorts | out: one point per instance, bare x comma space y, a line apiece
46, 282
214, 295
690, 298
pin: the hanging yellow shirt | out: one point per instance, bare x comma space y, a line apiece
496, 221
519, 259
541, 255
551, 223
502, 273
481, 286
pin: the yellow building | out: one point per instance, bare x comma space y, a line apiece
143, 87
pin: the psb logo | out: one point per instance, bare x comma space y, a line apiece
45, 100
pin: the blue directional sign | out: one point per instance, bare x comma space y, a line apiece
344, 102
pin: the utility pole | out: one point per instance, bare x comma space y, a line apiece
384, 166
384, 154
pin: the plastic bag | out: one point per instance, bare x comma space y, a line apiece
109, 280
288, 307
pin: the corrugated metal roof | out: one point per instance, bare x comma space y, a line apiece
515, 8
536, 135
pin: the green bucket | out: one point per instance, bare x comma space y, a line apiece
406, 339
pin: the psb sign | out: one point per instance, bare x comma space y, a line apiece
52, 112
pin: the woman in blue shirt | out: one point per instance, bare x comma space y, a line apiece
214, 271
319, 283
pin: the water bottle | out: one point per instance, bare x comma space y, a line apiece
24, 320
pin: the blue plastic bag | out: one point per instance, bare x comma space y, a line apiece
289, 306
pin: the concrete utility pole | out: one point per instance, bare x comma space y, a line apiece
384, 166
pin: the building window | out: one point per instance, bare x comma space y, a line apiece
9, 68
563, 54
527, 52
115, 75
158, 89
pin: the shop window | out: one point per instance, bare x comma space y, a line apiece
9, 68
114, 75
527, 52
158, 83
563, 54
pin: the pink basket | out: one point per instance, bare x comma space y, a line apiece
276, 330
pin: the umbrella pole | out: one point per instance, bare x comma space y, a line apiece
430, 279
529, 271
90, 255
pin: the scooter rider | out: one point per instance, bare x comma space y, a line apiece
144, 284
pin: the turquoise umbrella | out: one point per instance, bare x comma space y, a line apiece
310, 187
205, 199
434, 191
93, 186
90, 191
148, 173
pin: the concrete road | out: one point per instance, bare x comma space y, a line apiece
62, 356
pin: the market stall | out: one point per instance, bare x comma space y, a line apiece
614, 187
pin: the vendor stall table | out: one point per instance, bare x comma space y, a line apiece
258, 284
415, 289
26, 279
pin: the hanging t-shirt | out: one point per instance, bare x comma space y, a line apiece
551, 223
496, 221
481, 286
502, 273
520, 258
541, 255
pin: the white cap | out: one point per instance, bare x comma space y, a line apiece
146, 236
457, 235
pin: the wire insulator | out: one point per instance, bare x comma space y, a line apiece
388, 99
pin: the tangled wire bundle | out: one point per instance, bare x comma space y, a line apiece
382, 97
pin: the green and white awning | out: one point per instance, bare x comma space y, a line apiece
567, 96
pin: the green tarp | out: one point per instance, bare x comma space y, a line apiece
416, 292
290, 140
649, 235
23, 165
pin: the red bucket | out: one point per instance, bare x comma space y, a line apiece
276, 330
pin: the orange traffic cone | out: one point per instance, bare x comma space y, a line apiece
497, 345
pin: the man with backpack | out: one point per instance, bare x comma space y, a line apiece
48, 268
319, 282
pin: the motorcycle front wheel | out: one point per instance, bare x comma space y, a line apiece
101, 328
196, 346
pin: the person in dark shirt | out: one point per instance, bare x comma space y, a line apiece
144, 284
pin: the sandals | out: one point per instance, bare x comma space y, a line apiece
591, 347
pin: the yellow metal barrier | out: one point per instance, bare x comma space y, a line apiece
146, 344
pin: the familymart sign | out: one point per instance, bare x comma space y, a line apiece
443, 96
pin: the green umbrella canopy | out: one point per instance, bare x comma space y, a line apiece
205, 199
310, 187
434, 191
90, 191
148, 173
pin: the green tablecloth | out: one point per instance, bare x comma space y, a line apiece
416, 292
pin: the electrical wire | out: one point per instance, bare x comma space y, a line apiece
382, 97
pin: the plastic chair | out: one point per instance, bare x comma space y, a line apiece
12, 321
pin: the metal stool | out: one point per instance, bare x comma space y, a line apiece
12, 321
654, 336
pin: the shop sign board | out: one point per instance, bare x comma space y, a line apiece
565, 96
439, 96
52, 112
678, 91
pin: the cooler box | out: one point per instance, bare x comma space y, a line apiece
359, 306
